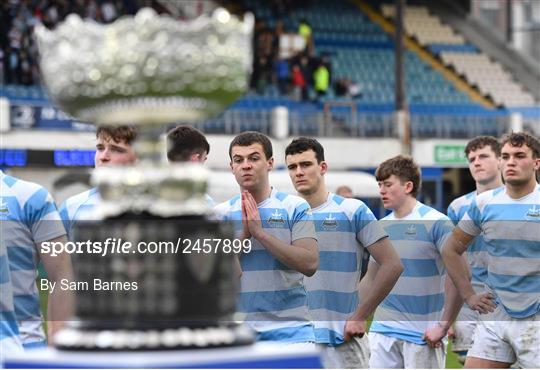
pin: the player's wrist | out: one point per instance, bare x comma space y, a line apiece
444, 325
258, 234
468, 295
358, 315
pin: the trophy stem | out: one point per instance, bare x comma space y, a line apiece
149, 146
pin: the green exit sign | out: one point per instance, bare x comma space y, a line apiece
450, 154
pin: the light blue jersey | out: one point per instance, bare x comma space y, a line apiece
476, 253
511, 228
345, 227
29, 216
79, 207
273, 297
9, 329
417, 300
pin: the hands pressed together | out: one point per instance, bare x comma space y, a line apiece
251, 219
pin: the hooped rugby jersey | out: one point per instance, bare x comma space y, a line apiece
273, 297
79, 208
29, 216
9, 329
417, 300
511, 229
345, 227
477, 254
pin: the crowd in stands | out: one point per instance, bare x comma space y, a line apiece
301, 75
18, 51
295, 74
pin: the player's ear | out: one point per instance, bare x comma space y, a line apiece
537, 164
409, 186
324, 167
270, 163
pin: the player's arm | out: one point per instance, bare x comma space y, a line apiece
454, 248
378, 282
61, 302
359, 327
367, 281
452, 305
302, 255
453, 300
452, 252
386, 275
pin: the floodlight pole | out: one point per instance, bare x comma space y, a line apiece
402, 114
509, 22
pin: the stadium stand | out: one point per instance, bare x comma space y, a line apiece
359, 51
477, 68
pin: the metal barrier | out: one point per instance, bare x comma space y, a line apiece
336, 120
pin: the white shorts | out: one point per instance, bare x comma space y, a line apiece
393, 353
502, 338
349, 355
464, 328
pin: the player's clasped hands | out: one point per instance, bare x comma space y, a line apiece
482, 303
251, 219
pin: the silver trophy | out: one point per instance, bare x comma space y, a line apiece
151, 70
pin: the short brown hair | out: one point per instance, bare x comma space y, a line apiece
184, 141
520, 138
481, 141
404, 168
303, 144
125, 133
252, 137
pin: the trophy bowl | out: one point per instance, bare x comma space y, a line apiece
148, 71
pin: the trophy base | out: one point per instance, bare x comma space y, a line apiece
76, 338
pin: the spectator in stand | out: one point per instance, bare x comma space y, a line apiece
325, 59
108, 11
265, 43
278, 32
281, 72
304, 30
354, 90
300, 91
340, 87
13, 68
261, 74
18, 17
321, 78
306, 68
347, 87
26, 70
